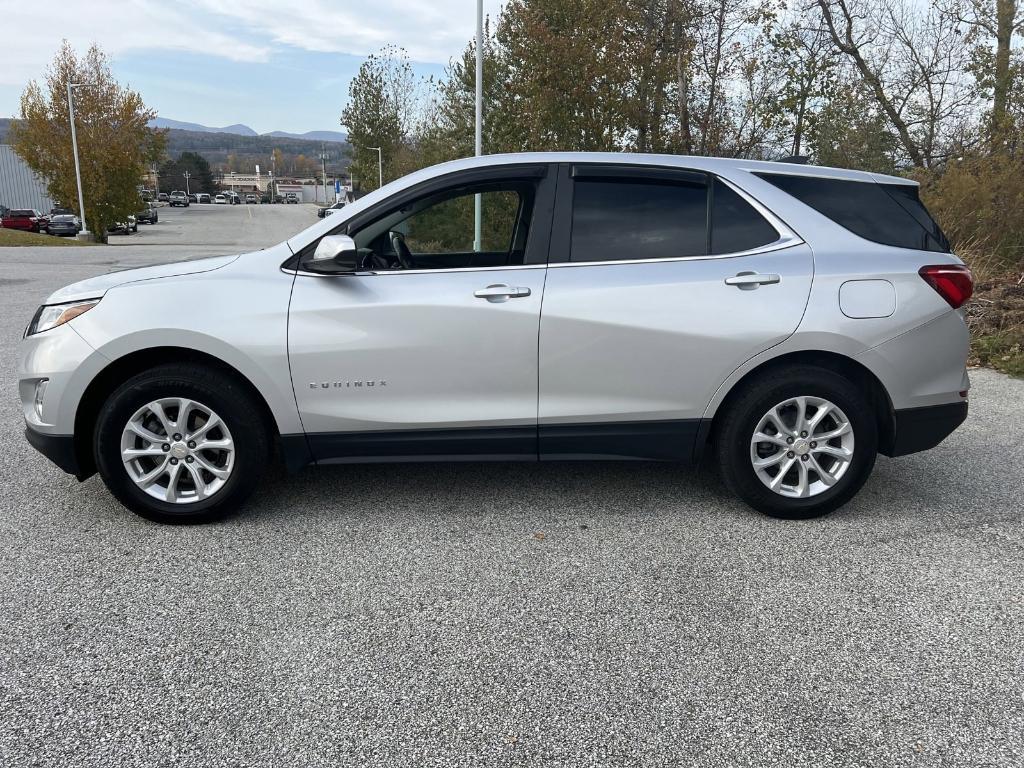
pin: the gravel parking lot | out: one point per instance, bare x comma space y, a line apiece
506, 614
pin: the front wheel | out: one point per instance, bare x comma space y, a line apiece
181, 444
798, 443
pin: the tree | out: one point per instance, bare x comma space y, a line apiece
912, 62
998, 22
115, 145
172, 174
448, 129
384, 110
849, 131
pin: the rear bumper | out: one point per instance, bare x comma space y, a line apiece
60, 449
919, 429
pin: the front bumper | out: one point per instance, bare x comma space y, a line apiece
919, 429
60, 449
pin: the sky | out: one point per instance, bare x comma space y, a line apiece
270, 64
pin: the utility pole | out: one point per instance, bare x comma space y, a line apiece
323, 167
187, 176
78, 167
273, 170
477, 207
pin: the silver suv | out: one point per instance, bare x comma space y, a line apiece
788, 321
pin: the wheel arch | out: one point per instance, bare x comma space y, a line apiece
123, 368
878, 396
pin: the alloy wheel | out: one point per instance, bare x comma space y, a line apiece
177, 450
802, 447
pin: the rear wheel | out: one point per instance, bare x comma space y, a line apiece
180, 444
799, 443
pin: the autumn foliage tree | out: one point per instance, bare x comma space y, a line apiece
115, 145
384, 110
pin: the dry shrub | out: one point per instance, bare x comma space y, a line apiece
979, 203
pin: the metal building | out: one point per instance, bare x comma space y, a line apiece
19, 187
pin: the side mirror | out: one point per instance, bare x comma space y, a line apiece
335, 254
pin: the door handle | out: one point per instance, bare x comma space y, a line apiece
501, 292
748, 281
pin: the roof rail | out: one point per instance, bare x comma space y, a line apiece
795, 160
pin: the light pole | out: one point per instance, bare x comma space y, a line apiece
323, 166
187, 176
477, 208
380, 166
156, 183
74, 146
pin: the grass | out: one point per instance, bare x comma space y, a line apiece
15, 237
995, 313
1002, 351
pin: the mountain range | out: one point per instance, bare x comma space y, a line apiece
239, 129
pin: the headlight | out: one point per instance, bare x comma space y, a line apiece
50, 316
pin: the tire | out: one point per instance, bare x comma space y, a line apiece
135, 228
748, 411
205, 388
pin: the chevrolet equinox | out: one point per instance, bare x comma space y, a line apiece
788, 321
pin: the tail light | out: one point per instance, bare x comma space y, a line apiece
953, 282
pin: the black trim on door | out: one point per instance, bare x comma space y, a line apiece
677, 440
644, 440
470, 444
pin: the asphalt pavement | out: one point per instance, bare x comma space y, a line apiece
591, 614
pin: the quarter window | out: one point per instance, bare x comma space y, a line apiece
891, 214
615, 220
735, 225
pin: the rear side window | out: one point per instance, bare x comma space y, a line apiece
890, 214
630, 219
735, 225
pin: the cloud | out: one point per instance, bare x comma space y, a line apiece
33, 32
430, 30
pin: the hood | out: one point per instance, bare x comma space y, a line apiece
95, 287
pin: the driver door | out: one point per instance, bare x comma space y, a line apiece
431, 349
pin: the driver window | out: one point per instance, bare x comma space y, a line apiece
439, 231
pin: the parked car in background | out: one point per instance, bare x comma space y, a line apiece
291, 197
220, 200
234, 198
148, 215
792, 322
321, 212
163, 197
131, 224
250, 199
57, 211
178, 198
192, 198
25, 219
64, 225
203, 197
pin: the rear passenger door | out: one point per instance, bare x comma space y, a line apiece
661, 282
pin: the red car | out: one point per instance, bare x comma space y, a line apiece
25, 218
